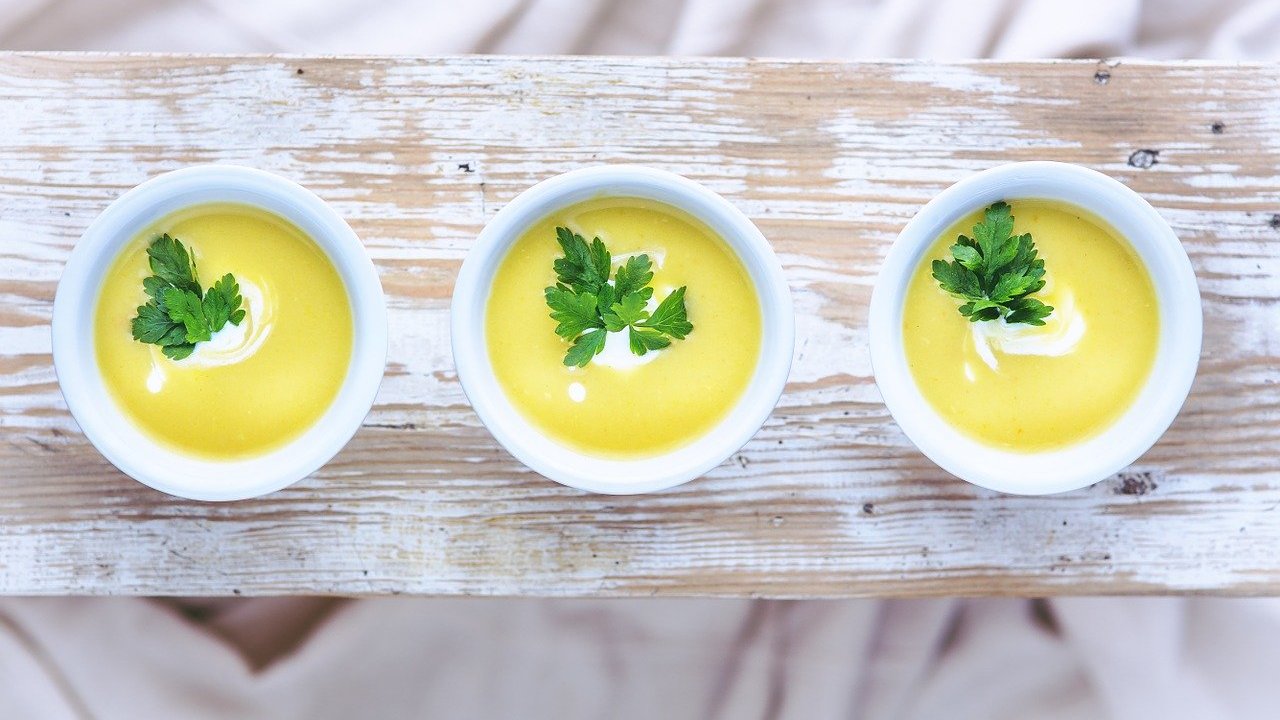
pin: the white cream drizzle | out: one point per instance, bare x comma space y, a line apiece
232, 344
1061, 333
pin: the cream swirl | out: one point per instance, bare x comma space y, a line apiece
232, 344
236, 343
1061, 333
617, 353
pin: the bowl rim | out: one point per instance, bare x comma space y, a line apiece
104, 423
574, 468
1159, 401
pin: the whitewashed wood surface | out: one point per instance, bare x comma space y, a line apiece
829, 159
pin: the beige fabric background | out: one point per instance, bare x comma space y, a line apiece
1227, 29
481, 658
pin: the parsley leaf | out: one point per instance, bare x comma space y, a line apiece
575, 312
178, 313
994, 272
629, 311
185, 307
635, 275
584, 267
178, 352
152, 325
642, 341
670, 316
172, 265
222, 303
587, 306
587, 346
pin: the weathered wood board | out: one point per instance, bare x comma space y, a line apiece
829, 159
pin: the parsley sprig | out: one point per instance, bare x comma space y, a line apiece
587, 307
179, 314
995, 272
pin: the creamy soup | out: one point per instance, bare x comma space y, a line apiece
621, 404
1021, 387
253, 386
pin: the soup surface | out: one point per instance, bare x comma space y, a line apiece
1021, 387
253, 386
616, 406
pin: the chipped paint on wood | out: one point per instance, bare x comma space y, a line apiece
829, 159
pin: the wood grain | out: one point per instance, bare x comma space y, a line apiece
829, 159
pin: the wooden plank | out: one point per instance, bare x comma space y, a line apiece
829, 159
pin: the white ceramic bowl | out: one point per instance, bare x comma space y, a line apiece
102, 421
567, 465
1157, 404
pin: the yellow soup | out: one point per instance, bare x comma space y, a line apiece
256, 385
1028, 388
650, 408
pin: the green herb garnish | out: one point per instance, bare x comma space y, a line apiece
994, 272
587, 307
179, 314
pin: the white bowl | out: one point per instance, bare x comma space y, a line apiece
1157, 404
567, 465
116, 437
